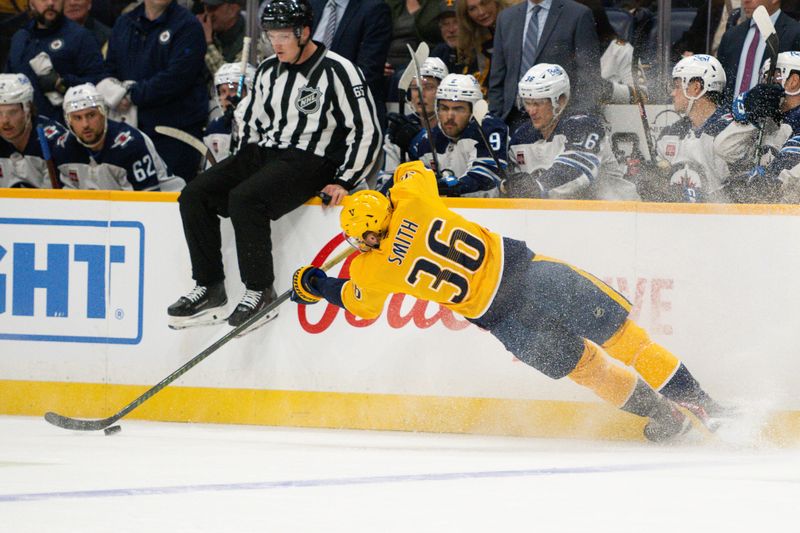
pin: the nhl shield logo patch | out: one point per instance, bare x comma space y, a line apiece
308, 100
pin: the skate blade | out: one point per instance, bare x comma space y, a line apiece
261, 322
209, 317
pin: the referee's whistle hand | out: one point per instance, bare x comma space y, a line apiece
336, 192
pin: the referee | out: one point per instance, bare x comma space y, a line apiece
310, 125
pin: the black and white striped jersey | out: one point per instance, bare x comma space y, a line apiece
322, 106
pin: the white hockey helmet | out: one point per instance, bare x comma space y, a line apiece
231, 72
433, 67
786, 63
707, 68
545, 80
82, 97
16, 89
459, 88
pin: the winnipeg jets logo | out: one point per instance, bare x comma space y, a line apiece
308, 100
57, 44
49, 131
164, 37
122, 139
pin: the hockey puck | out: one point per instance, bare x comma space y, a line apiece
112, 430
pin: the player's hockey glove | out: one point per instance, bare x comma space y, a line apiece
524, 185
304, 281
401, 130
759, 103
755, 186
449, 185
51, 82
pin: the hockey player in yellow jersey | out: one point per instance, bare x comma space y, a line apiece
551, 315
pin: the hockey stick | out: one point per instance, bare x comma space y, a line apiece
95, 425
245, 54
48, 158
770, 36
479, 111
636, 72
192, 141
425, 121
405, 82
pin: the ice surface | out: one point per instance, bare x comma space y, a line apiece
158, 477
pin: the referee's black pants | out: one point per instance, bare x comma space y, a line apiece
253, 187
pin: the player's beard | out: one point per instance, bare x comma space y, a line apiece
47, 23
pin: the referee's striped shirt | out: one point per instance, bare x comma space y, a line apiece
322, 106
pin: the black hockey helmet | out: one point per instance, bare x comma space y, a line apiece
281, 14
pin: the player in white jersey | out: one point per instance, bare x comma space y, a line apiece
220, 134
105, 154
706, 146
404, 128
558, 154
466, 159
22, 162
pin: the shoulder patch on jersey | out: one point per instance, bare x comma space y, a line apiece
50, 130
308, 100
122, 139
57, 44
164, 37
62, 141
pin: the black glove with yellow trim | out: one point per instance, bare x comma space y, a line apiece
304, 280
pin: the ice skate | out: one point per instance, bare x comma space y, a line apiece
251, 303
709, 413
203, 306
668, 426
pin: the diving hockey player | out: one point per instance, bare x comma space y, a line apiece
558, 154
220, 133
550, 315
467, 167
104, 154
706, 146
21, 161
403, 128
778, 180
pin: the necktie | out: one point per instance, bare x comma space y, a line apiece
330, 28
530, 44
749, 63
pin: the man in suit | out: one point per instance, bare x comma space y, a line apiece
543, 31
357, 30
742, 50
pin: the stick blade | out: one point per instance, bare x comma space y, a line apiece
764, 23
479, 110
419, 56
66, 422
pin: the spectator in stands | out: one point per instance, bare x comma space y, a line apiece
159, 49
55, 54
476, 24
359, 32
404, 128
103, 154
560, 32
413, 21
78, 12
21, 161
447, 50
741, 50
559, 154
224, 29
13, 16
463, 162
221, 133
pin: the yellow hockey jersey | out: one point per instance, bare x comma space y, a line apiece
429, 252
